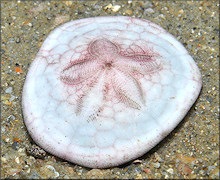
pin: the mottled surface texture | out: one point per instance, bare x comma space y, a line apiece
103, 91
190, 151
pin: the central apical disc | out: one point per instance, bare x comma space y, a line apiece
103, 91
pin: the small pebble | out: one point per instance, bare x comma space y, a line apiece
129, 12
12, 98
158, 158
36, 151
61, 19
184, 169
18, 40
149, 11
3, 159
17, 160
170, 171
147, 170
14, 171
116, 8
94, 173
202, 172
113, 8
162, 16
8, 103
181, 11
56, 174
8, 90
30, 24
11, 117
210, 168
108, 6
15, 145
137, 161
156, 165
34, 176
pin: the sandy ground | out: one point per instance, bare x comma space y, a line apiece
190, 151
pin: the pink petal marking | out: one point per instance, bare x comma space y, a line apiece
138, 63
127, 89
79, 71
103, 47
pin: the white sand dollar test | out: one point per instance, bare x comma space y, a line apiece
105, 90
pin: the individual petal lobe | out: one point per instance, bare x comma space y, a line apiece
103, 47
127, 89
92, 109
93, 83
79, 71
143, 64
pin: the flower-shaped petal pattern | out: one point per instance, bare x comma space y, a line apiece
105, 56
